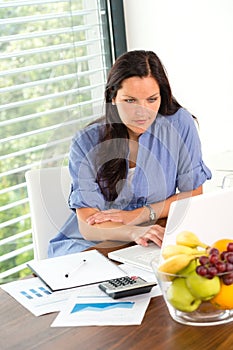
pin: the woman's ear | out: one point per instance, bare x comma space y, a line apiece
113, 102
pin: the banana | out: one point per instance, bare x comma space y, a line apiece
175, 263
189, 239
171, 250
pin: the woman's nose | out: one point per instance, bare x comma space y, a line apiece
140, 108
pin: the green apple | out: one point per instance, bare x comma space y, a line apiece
191, 267
180, 297
202, 287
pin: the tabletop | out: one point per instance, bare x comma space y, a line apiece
21, 330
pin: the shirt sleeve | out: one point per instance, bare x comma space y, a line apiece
85, 191
192, 171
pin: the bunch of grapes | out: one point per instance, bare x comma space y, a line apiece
217, 264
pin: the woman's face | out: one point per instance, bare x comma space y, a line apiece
138, 102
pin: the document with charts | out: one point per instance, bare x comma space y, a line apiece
102, 311
74, 270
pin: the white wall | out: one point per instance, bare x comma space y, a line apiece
194, 40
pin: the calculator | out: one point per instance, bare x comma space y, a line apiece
126, 286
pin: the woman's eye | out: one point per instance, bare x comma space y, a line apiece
152, 100
130, 100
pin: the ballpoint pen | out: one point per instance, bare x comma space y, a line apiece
68, 274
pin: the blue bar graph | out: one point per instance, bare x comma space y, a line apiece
33, 293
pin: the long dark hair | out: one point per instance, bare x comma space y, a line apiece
111, 159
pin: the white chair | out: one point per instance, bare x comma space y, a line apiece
48, 191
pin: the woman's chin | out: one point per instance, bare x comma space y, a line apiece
136, 129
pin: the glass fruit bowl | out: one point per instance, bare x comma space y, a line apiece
195, 300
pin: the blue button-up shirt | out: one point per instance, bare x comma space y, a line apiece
169, 160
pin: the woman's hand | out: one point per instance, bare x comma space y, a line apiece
126, 217
154, 233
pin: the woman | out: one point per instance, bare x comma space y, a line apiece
128, 167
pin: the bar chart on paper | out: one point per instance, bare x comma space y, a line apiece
35, 296
38, 292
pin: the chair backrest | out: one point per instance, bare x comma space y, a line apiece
48, 191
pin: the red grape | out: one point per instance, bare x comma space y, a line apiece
230, 247
221, 266
213, 258
212, 270
223, 255
229, 267
213, 251
229, 257
201, 270
203, 260
228, 279
209, 276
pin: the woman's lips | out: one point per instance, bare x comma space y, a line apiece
140, 121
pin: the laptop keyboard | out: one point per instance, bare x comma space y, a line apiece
146, 258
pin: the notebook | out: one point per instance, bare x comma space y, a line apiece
209, 216
75, 270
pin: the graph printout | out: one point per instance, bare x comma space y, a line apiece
35, 296
102, 311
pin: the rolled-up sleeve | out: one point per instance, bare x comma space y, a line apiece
84, 189
192, 171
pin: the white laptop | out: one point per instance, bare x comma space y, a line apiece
209, 216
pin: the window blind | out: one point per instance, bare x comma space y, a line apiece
54, 58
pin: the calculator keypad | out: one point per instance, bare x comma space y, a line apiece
123, 281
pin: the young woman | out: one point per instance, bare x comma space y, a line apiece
129, 166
